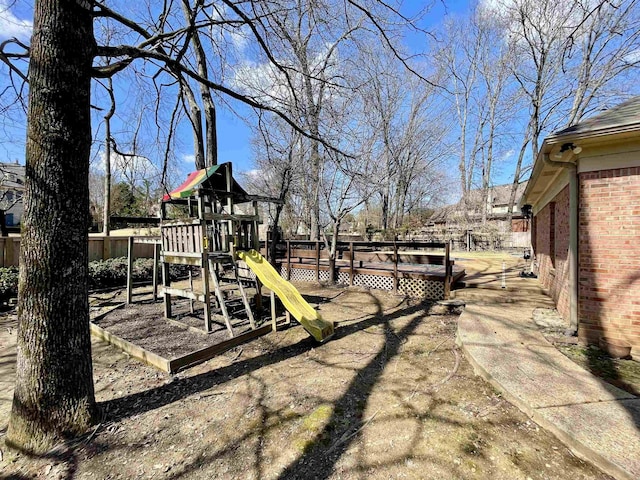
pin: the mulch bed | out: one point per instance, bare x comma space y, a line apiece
143, 324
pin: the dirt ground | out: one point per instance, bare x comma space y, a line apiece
390, 396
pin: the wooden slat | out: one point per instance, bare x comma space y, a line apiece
130, 349
235, 217
200, 356
198, 238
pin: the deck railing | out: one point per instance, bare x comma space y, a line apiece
359, 252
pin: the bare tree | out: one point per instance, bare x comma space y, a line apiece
458, 59
54, 396
567, 53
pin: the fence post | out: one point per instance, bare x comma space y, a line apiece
395, 266
317, 261
351, 264
447, 272
156, 260
129, 270
288, 260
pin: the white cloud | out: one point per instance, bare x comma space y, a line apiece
188, 158
555, 19
11, 25
633, 56
506, 155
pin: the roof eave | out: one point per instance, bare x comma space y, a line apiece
590, 137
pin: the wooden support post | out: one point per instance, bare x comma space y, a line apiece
191, 288
166, 282
288, 260
223, 306
448, 273
395, 267
255, 231
351, 264
204, 273
232, 234
273, 311
130, 270
156, 261
205, 265
317, 261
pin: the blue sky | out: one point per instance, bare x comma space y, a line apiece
233, 132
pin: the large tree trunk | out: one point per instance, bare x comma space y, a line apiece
195, 117
54, 396
211, 146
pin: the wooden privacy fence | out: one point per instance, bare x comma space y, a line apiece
100, 248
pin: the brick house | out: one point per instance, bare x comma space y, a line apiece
585, 196
12, 192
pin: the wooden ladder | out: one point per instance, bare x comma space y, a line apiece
222, 302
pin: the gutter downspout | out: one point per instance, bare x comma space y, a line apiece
573, 240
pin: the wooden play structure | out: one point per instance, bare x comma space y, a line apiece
210, 222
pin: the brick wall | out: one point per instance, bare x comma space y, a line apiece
552, 248
609, 265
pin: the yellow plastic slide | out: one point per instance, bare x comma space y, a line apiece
290, 297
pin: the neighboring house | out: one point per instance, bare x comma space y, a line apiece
12, 192
497, 208
585, 194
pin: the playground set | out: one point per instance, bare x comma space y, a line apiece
211, 223
205, 224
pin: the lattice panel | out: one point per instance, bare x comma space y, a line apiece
324, 275
303, 275
343, 278
421, 288
377, 282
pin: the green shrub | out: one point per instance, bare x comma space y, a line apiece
8, 283
102, 274
113, 271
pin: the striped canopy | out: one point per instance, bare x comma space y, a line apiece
193, 181
214, 179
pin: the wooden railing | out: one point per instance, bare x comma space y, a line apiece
358, 253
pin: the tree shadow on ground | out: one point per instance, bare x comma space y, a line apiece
141, 402
346, 420
319, 457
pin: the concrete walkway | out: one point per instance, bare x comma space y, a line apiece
597, 421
